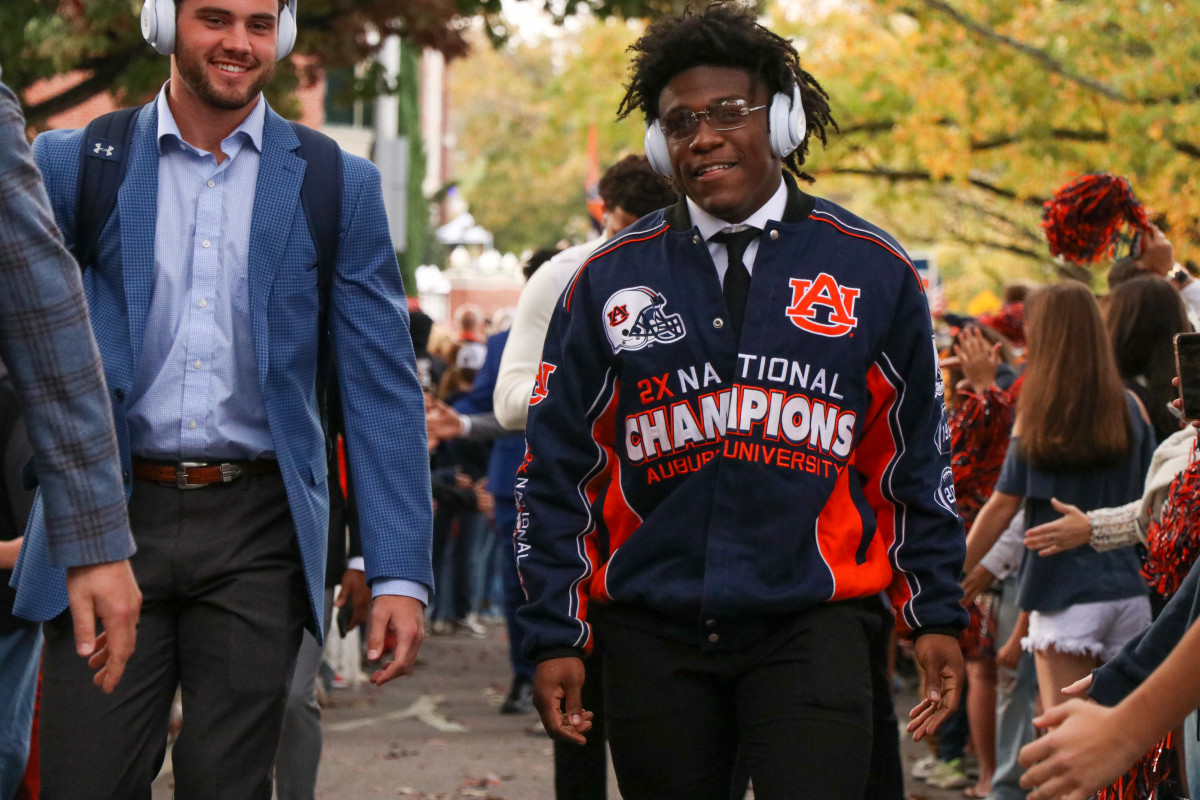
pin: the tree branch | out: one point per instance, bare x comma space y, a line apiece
1058, 134
897, 176
1024, 252
1049, 62
1187, 148
995, 216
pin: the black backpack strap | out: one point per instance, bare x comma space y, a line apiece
321, 197
102, 161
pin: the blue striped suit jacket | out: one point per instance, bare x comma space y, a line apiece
383, 407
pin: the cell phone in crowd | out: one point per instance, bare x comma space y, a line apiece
344, 615
1187, 365
1135, 246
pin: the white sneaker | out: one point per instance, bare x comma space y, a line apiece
950, 775
471, 625
925, 767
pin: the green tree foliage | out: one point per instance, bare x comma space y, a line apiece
959, 118
521, 117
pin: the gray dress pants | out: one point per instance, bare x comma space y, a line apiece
223, 608
299, 754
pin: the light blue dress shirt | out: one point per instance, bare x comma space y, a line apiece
195, 390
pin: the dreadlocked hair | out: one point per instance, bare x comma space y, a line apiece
724, 35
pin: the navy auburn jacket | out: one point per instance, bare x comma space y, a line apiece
674, 470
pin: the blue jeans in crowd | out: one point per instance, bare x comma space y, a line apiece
20, 654
454, 564
1016, 693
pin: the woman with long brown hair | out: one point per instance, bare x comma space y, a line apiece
1081, 437
1142, 317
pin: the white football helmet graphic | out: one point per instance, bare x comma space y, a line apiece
634, 318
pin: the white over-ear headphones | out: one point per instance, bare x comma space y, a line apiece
158, 27
786, 122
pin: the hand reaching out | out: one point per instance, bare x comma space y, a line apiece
1083, 752
441, 423
1073, 529
978, 358
978, 581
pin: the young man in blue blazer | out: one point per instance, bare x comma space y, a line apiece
204, 299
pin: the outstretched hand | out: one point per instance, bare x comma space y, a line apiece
978, 581
1073, 529
978, 358
1085, 750
441, 423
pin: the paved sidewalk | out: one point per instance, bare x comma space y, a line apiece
438, 734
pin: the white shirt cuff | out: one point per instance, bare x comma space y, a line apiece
358, 563
402, 587
464, 422
1005, 556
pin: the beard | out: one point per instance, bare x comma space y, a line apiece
193, 70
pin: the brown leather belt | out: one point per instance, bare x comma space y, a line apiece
198, 474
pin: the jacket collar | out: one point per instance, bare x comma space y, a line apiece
799, 206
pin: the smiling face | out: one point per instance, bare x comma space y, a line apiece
730, 174
225, 50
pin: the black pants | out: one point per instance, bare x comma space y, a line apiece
796, 708
885, 780
223, 609
885, 775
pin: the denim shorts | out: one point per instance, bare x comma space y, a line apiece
1097, 629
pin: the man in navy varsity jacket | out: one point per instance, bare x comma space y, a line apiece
734, 446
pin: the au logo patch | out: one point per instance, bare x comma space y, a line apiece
836, 304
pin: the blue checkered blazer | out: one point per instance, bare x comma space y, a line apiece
383, 407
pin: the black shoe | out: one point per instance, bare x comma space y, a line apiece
520, 698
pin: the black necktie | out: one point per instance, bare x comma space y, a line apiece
737, 277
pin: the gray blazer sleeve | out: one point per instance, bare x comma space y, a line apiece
47, 343
485, 428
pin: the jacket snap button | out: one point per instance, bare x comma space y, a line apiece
718, 323
712, 637
695, 240
774, 235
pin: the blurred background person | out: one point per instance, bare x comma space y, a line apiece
630, 189
1143, 315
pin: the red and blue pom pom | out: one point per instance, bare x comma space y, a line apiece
1088, 217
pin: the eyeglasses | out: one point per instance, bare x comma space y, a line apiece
723, 115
